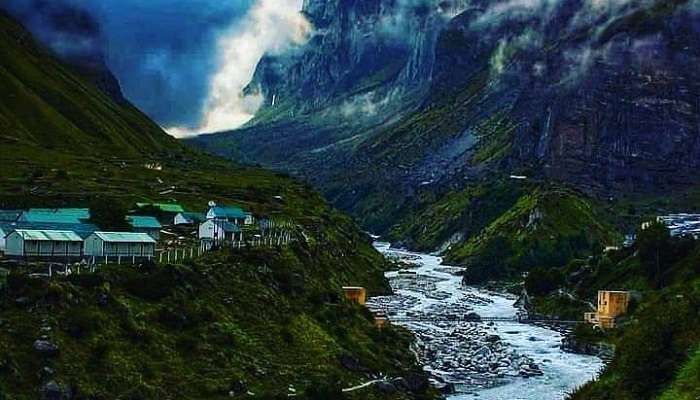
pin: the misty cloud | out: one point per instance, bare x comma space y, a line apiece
270, 27
520, 27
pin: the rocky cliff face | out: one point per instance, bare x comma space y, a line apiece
429, 95
608, 105
364, 57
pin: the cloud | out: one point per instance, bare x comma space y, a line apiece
365, 105
521, 28
270, 27
396, 22
507, 47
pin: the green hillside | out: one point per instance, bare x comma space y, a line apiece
44, 104
257, 320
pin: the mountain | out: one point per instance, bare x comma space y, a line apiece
417, 97
45, 104
229, 323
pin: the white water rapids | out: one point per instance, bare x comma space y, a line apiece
481, 360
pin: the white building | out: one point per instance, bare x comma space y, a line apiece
219, 231
43, 244
189, 218
120, 244
5, 230
235, 215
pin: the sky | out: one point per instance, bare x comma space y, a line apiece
183, 62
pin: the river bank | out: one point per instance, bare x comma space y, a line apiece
470, 359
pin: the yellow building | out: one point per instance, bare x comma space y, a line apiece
355, 294
611, 305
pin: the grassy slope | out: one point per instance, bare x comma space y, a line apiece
467, 212
540, 223
261, 317
503, 227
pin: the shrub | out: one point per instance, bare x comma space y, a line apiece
542, 281
109, 215
82, 322
89, 281
152, 286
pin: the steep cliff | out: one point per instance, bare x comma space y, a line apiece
598, 95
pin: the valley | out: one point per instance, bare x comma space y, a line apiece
527, 142
538, 151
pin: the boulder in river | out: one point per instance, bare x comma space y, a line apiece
45, 347
54, 391
472, 317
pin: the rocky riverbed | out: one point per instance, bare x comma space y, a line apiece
470, 358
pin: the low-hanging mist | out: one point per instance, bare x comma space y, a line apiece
270, 27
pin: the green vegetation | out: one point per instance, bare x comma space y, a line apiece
656, 344
686, 386
654, 352
545, 228
264, 318
437, 218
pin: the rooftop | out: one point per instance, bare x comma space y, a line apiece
163, 207
145, 222
83, 230
52, 217
48, 235
9, 215
80, 213
228, 212
125, 237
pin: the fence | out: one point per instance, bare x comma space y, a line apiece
177, 255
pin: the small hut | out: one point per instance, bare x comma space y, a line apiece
612, 305
355, 294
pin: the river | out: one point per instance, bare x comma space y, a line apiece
479, 360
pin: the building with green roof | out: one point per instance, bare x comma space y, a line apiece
82, 230
145, 224
79, 213
50, 217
